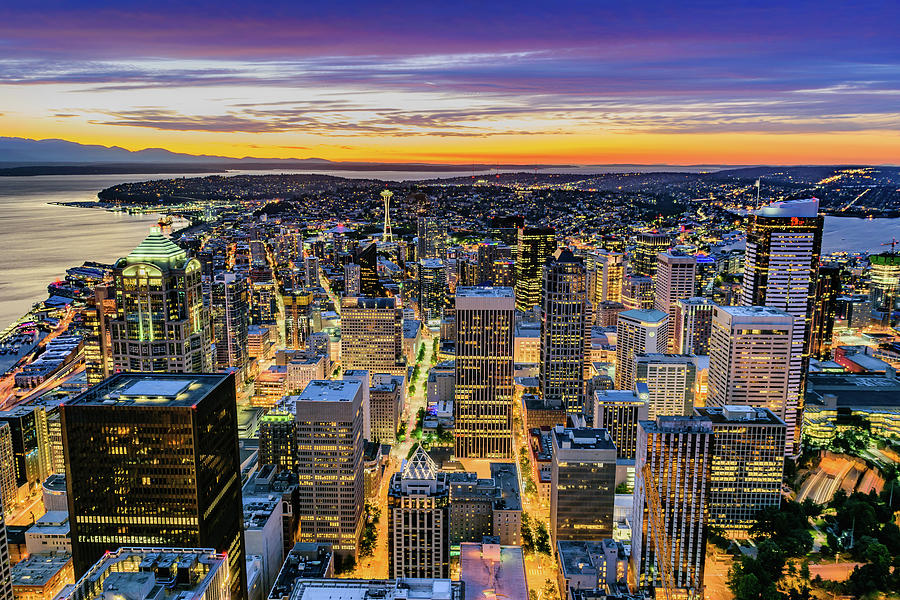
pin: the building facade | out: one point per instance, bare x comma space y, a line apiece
483, 392
163, 449
676, 278
677, 454
638, 332
329, 417
162, 324
563, 328
418, 526
784, 243
535, 246
372, 335
582, 484
747, 466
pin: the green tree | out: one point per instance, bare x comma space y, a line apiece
542, 538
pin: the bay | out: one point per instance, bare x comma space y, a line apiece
40, 240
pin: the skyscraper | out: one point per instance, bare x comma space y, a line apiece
9, 489
638, 292
352, 283
678, 452
6, 592
884, 286
828, 289
649, 245
608, 277
563, 327
432, 289
372, 335
619, 412
432, 240
676, 275
670, 380
101, 307
784, 241
367, 259
297, 315
750, 361
278, 439
582, 484
693, 326
637, 332
485, 322
329, 463
747, 465
162, 325
535, 246
152, 459
418, 526
230, 312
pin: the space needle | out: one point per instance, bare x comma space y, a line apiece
386, 196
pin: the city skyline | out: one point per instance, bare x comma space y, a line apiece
575, 83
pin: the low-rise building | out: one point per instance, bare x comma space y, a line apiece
380, 589
590, 565
50, 533
306, 560
167, 573
486, 507
491, 570
386, 399
42, 576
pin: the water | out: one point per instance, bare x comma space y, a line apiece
41, 240
850, 234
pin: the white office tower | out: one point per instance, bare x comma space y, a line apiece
750, 361
676, 274
784, 243
638, 331
670, 381
678, 454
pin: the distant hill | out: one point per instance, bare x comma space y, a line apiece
24, 152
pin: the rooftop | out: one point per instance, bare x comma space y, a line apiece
143, 573
379, 589
808, 207
492, 570
38, 569
484, 292
644, 315
753, 311
582, 438
583, 557
739, 415
150, 390
157, 249
321, 390
304, 561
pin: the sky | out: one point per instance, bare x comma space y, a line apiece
494, 82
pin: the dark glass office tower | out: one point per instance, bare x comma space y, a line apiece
535, 246
152, 460
367, 259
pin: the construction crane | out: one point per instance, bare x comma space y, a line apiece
662, 547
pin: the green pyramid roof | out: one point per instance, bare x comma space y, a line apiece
159, 250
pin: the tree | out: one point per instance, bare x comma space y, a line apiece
527, 536
852, 440
542, 538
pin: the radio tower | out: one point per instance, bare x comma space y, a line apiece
386, 196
